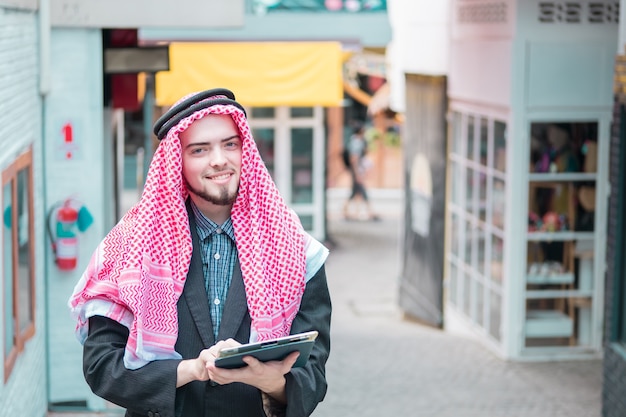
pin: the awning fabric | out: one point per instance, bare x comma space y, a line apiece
261, 74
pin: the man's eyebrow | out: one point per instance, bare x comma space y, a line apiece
226, 139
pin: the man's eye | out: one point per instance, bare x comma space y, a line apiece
197, 151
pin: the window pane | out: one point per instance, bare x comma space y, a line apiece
25, 296
482, 195
457, 180
299, 112
453, 286
455, 237
264, 138
480, 305
469, 190
468, 285
469, 232
497, 259
302, 159
484, 141
457, 132
499, 141
498, 201
7, 259
263, 112
481, 250
495, 315
470, 138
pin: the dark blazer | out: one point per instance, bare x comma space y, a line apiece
151, 390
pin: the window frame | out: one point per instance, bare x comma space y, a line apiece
20, 336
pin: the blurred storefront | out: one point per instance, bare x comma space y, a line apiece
529, 108
527, 205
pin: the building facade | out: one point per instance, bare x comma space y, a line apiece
24, 385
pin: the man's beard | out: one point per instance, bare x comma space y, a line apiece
225, 198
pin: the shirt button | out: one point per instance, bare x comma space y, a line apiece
218, 231
216, 256
216, 301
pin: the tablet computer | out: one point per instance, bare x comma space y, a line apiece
269, 350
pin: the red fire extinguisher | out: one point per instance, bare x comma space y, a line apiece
68, 216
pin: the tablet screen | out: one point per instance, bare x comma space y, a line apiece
269, 350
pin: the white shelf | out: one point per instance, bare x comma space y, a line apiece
562, 176
562, 278
551, 294
548, 323
558, 236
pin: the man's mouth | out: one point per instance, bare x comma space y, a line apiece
220, 177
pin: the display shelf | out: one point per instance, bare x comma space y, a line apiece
559, 236
550, 279
550, 294
548, 323
562, 177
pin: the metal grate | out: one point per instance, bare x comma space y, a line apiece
578, 12
604, 12
486, 12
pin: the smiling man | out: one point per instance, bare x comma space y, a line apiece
210, 257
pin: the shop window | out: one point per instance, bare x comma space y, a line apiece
476, 219
18, 259
561, 233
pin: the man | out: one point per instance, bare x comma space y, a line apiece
210, 257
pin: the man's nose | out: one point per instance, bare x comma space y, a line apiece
218, 157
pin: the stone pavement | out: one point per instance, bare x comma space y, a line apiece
383, 365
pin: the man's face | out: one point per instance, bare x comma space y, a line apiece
211, 149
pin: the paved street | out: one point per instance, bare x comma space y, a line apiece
382, 365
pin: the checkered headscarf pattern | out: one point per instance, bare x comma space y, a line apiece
140, 267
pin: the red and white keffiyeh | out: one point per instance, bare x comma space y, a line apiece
138, 271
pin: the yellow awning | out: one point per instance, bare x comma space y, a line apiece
261, 74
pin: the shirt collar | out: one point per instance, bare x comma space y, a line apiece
206, 227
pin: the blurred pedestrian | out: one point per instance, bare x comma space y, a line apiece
359, 165
210, 257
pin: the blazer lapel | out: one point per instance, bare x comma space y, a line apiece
236, 306
195, 291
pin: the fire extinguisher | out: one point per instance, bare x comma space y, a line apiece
68, 215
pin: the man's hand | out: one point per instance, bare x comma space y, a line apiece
196, 369
268, 377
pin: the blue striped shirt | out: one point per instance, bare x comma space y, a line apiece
218, 250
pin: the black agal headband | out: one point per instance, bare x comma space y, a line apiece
190, 105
